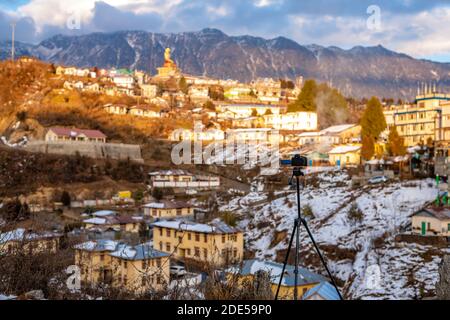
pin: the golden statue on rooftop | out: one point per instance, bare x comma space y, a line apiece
170, 67
168, 62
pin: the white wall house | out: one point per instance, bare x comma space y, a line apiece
306, 121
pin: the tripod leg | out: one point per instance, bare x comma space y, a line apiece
294, 230
321, 258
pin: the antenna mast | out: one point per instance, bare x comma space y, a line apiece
13, 49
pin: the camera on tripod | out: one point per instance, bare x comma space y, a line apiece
296, 161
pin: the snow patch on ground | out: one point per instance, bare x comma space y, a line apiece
405, 271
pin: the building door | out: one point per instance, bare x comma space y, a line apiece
424, 228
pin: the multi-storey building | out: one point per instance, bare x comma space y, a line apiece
24, 241
166, 209
418, 123
132, 268
215, 243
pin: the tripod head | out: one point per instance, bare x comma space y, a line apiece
297, 172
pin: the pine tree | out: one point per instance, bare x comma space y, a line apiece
396, 144
368, 148
373, 122
306, 100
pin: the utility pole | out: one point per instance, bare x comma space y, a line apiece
13, 52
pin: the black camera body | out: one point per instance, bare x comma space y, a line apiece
299, 161
296, 161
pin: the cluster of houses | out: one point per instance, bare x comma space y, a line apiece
138, 252
138, 84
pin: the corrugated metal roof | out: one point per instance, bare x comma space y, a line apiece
325, 290
306, 277
215, 226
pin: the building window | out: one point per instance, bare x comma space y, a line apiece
205, 253
102, 257
179, 212
125, 265
158, 263
125, 280
160, 246
188, 252
160, 232
168, 232
189, 236
144, 264
197, 252
205, 237
197, 237
168, 246
223, 239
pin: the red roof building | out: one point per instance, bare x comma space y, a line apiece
74, 134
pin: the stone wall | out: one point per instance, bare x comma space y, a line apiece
114, 151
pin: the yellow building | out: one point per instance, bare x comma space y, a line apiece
168, 209
149, 91
433, 221
419, 122
345, 155
136, 269
306, 279
215, 243
21, 240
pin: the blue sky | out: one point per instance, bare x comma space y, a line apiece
416, 27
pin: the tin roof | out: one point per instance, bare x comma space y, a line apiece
440, 213
251, 267
167, 204
214, 227
325, 290
74, 132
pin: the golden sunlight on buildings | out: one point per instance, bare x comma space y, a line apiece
215, 243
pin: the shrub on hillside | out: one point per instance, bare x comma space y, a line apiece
355, 214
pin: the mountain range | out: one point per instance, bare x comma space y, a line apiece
357, 72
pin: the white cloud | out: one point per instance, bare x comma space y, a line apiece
55, 12
420, 33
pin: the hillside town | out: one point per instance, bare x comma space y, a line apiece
129, 209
